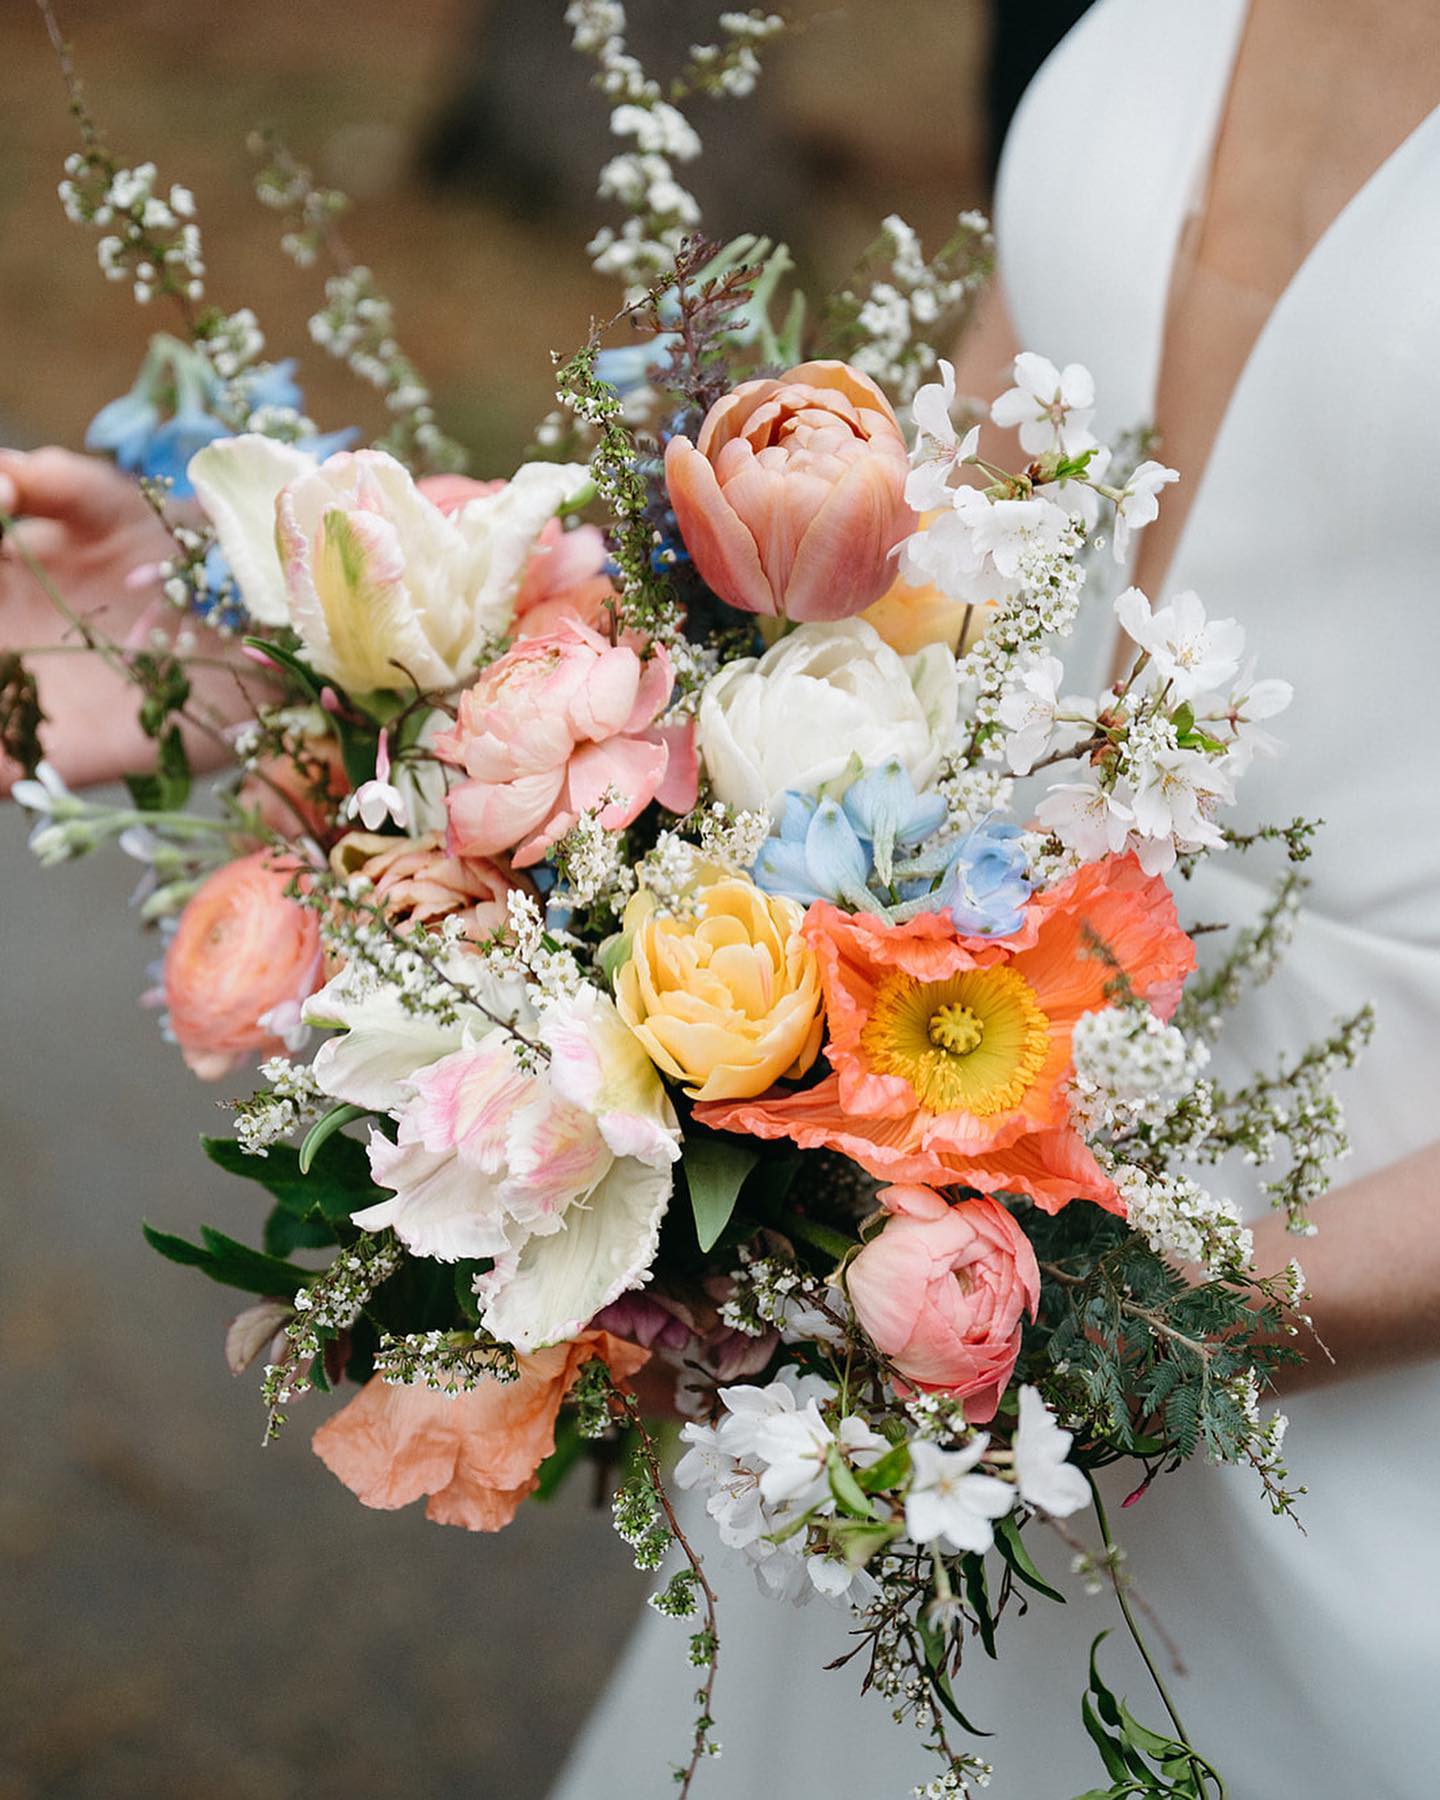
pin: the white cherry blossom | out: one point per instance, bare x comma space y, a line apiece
950, 1504
1046, 1479
1188, 651
1052, 407
1092, 820
1139, 504
939, 450
1030, 713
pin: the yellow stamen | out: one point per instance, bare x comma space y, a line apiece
973, 1043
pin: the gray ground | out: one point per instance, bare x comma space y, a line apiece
184, 1617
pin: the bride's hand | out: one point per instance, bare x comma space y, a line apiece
98, 543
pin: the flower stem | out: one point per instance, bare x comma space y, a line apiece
1202, 1769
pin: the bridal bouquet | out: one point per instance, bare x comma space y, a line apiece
686, 925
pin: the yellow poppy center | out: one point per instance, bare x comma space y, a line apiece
973, 1043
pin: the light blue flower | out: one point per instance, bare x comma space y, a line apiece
878, 850
123, 429
630, 366
987, 884
274, 384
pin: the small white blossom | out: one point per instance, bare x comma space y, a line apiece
1045, 1478
1188, 652
948, 1503
1052, 407
1139, 504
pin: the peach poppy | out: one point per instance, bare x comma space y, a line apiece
950, 1055
474, 1454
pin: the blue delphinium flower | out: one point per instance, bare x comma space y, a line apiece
123, 429
876, 850
628, 367
987, 883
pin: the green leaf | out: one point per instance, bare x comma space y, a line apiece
858, 1543
977, 1592
569, 1448
1009, 1543
285, 1232
888, 1472
290, 662
934, 1641
845, 1488
715, 1170
338, 1182
465, 1273
230, 1263
325, 1128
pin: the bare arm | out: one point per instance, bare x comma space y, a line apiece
98, 542
1373, 1270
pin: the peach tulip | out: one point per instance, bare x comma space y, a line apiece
942, 1291
242, 960
474, 1454
793, 494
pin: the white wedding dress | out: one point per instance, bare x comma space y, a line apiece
1313, 1661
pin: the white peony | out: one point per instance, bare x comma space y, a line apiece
823, 703
383, 588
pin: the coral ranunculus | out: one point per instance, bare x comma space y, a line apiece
549, 731
793, 494
942, 1291
474, 1454
950, 1055
244, 957
726, 1000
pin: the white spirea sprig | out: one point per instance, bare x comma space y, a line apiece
592, 864
1130, 1069
324, 1308
445, 1362
1177, 1217
660, 210
291, 1100
909, 311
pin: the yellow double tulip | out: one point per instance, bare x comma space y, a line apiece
727, 999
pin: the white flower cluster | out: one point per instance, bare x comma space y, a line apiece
1178, 1218
591, 858
1184, 725
1264, 1444
772, 1293
292, 1100
1130, 1069
534, 952
766, 1467
732, 67
150, 239
915, 301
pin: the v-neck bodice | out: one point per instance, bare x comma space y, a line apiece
1310, 521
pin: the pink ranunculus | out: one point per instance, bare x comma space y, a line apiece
474, 1454
565, 577
552, 728
793, 494
419, 882
942, 1291
241, 961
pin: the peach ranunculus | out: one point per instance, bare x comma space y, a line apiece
474, 1454
242, 960
552, 728
950, 1055
727, 999
419, 882
942, 1290
565, 577
793, 494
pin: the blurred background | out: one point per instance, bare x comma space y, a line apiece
182, 1616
